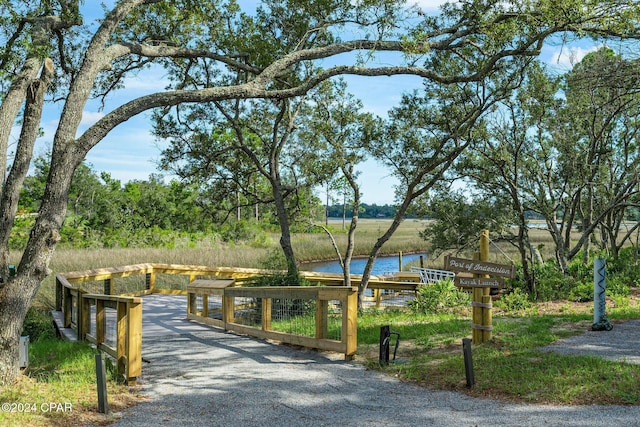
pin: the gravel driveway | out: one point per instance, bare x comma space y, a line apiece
213, 378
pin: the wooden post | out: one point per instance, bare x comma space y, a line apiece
350, 323
377, 295
100, 322
108, 286
150, 281
486, 292
400, 261
59, 289
192, 303
67, 306
84, 317
121, 335
134, 342
476, 311
228, 316
205, 305
266, 314
322, 316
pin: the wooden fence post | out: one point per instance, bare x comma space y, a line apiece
486, 292
322, 311
84, 317
59, 290
134, 341
266, 314
100, 322
350, 323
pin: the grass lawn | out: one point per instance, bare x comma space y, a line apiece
511, 366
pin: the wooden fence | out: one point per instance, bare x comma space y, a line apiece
314, 303
88, 313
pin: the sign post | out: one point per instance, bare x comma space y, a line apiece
481, 282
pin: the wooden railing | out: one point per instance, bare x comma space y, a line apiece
85, 312
343, 301
124, 342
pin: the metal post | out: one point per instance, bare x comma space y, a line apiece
600, 322
468, 362
385, 335
101, 380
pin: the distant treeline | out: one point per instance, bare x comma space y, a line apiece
366, 211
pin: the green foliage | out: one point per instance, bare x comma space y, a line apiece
38, 325
234, 231
458, 219
20, 231
274, 260
440, 297
582, 292
551, 283
516, 300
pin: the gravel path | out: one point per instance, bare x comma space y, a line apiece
213, 378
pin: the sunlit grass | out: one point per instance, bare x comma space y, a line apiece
511, 366
59, 388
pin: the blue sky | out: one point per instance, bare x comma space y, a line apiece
130, 152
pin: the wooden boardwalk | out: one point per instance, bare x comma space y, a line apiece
162, 315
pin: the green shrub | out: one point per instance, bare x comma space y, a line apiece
515, 300
38, 325
551, 284
438, 297
583, 292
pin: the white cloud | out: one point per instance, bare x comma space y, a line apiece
565, 57
428, 5
90, 117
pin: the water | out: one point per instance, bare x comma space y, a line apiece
383, 264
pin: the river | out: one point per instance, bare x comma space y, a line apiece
383, 264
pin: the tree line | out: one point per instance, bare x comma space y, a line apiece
255, 108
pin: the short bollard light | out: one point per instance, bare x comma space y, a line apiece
468, 361
385, 339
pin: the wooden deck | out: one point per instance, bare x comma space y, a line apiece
162, 315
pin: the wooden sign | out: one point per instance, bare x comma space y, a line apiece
479, 267
478, 282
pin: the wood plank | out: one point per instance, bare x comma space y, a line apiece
134, 341
309, 342
478, 282
350, 325
114, 298
479, 267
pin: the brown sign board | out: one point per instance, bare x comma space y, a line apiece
479, 267
478, 282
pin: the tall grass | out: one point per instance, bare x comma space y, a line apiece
308, 247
